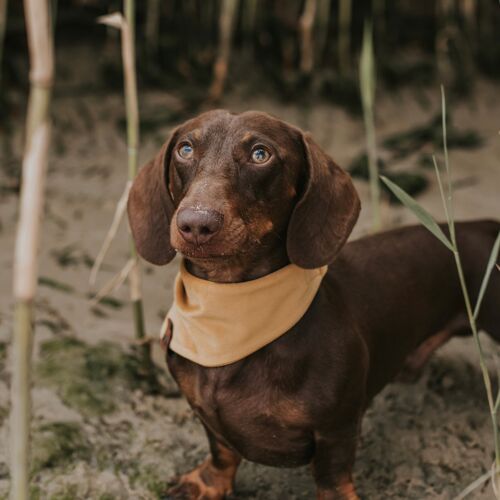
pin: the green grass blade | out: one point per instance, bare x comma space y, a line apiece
441, 191
449, 197
423, 216
486, 278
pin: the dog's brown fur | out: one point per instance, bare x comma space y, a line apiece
386, 299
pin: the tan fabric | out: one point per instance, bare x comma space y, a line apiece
217, 324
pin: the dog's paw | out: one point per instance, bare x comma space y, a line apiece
183, 491
203, 483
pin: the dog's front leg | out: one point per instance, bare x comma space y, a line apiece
333, 462
211, 480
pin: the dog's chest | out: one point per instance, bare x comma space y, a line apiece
255, 419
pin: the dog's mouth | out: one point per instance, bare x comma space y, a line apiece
218, 248
202, 253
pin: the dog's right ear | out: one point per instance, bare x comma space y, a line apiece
323, 218
151, 208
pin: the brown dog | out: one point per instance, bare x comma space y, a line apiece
242, 195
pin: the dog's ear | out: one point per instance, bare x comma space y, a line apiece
324, 216
150, 208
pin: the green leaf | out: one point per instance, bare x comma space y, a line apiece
489, 268
423, 216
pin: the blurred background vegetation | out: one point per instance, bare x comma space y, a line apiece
294, 49
299, 51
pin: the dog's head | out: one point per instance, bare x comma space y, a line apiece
227, 185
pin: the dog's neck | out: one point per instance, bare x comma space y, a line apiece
238, 268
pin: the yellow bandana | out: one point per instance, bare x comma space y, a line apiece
215, 324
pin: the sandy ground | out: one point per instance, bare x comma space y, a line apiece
99, 434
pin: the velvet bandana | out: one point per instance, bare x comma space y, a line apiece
216, 324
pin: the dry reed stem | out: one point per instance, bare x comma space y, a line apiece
469, 11
39, 30
20, 412
226, 27
444, 33
475, 484
116, 20
135, 280
306, 23
31, 208
367, 85
120, 210
114, 283
126, 25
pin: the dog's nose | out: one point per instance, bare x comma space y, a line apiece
198, 226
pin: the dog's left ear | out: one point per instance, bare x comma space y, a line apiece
150, 209
324, 216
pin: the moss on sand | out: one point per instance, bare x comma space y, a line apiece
58, 444
90, 379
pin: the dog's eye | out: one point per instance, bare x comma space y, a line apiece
185, 151
260, 155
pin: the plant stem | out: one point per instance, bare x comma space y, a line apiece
367, 86
449, 200
227, 18
132, 106
373, 169
40, 44
306, 23
21, 399
448, 207
451, 243
482, 363
131, 100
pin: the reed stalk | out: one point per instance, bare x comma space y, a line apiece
306, 23
469, 14
444, 33
132, 107
227, 18
39, 30
367, 85
126, 24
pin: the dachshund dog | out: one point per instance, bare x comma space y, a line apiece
241, 196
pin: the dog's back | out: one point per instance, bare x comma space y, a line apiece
413, 279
